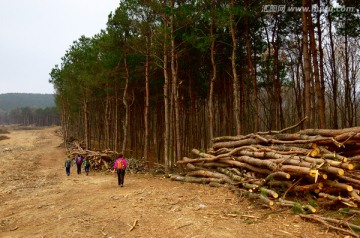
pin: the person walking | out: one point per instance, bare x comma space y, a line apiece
67, 165
87, 165
79, 161
120, 167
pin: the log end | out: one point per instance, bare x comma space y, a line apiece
341, 172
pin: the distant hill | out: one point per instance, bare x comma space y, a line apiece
10, 101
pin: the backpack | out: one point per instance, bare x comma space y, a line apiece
120, 165
87, 163
68, 163
79, 160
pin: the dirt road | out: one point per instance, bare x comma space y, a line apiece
37, 199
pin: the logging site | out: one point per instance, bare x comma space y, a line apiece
180, 119
303, 184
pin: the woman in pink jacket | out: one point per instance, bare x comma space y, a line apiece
120, 166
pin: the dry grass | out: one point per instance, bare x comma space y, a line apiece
4, 137
4, 131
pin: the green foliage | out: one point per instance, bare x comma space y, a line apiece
345, 211
312, 201
91, 76
297, 209
348, 21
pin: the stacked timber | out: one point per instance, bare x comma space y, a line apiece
103, 160
100, 160
272, 165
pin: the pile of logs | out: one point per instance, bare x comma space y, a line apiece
269, 166
99, 160
104, 160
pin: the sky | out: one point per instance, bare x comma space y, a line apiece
35, 34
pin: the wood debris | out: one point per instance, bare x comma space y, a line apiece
319, 168
269, 165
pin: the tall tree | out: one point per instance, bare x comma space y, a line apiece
236, 98
307, 66
320, 94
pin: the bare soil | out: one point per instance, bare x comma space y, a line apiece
37, 199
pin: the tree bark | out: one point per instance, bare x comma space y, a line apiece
213, 79
146, 111
307, 68
166, 94
318, 89
125, 101
175, 90
252, 74
236, 103
334, 79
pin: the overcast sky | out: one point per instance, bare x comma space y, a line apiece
35, 34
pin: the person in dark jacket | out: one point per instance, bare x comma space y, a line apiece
120, 167
67, 165
79, 160
87, 166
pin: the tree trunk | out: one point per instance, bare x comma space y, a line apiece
175, 91
334, 79
146, 109
236, 103
86, 121
321, 61
116, 132
213, 79
307, 68
278, 115
252, 75
125, 101
318, 89
107, 116
348, 101
166, 95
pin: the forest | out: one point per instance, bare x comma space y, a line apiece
168, 76
28, 109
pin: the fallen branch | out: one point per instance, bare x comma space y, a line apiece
134, 225
323, 221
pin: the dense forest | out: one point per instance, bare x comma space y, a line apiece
28, 109
166, 76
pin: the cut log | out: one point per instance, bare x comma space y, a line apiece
196, 180
230, 174
342, 186
202, 154
209, 174
276, 175
309, 187
257, 162
268, 192
355, 195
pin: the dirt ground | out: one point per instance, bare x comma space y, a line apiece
37, 199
